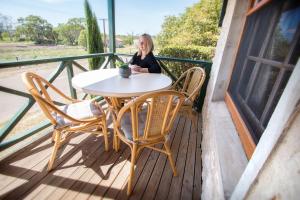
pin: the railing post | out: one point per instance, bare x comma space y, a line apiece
70, 76
111, 24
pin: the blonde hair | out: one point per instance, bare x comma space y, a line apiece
149, 43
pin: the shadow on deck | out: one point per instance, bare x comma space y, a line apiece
85, 171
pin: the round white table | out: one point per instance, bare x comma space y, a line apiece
108, 83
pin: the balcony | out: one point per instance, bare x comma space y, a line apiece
83, 169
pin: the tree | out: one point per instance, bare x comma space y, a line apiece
128, 39
82, 39
94, 41
68, 33
35, 29
5, 36
5, 27
197, 26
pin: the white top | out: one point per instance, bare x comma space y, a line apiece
108, 82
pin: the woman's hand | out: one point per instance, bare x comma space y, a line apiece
137, 68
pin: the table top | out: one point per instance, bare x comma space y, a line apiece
108, 82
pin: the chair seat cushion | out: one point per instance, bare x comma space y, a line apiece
80, 110
126, 124
186, 102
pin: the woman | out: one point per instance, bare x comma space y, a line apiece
144, 60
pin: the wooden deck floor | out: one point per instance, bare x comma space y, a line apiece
85, 171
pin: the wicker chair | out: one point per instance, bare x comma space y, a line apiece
190, 83
77, 116
146, 121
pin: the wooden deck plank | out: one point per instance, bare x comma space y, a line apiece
159, 168
198, 168
63, 172
142, 182
188, 179
85, 171
95, 180
165, 182
28, 170
39, 175
180, 162
90, 161
140, 164
104, 185
29, 157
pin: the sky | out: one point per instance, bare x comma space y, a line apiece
131, 16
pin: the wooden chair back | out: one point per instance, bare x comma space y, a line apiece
37, 86
159, 110
190, 82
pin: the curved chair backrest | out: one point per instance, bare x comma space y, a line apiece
190, 82
37, 86
151, 115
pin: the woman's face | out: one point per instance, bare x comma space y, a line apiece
142, 44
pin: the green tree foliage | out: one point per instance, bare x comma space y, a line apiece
94, 41
5, 36
197, 26
68, 33
82, 39
127, 39
35, 29
5, 27
192, 35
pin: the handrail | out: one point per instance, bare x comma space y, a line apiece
49, 60
69, 63
202, 62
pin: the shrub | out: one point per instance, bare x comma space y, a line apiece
187, 52
192, 53
82, 39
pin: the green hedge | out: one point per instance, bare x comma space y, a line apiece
193, 53
189, 52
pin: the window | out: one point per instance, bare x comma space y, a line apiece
267, 54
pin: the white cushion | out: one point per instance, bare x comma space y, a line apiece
126, 124
81, 110
186, 101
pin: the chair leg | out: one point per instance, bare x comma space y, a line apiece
133, 157
53, 137
105, 134
115, 141
170, 158
55, 149
118, 143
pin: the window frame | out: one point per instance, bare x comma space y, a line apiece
244, 133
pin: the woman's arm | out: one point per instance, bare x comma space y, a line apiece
153, 65
133, 59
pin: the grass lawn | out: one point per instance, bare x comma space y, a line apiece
12, 51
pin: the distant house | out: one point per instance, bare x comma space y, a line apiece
119, 42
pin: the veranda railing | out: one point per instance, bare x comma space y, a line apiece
69, 63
